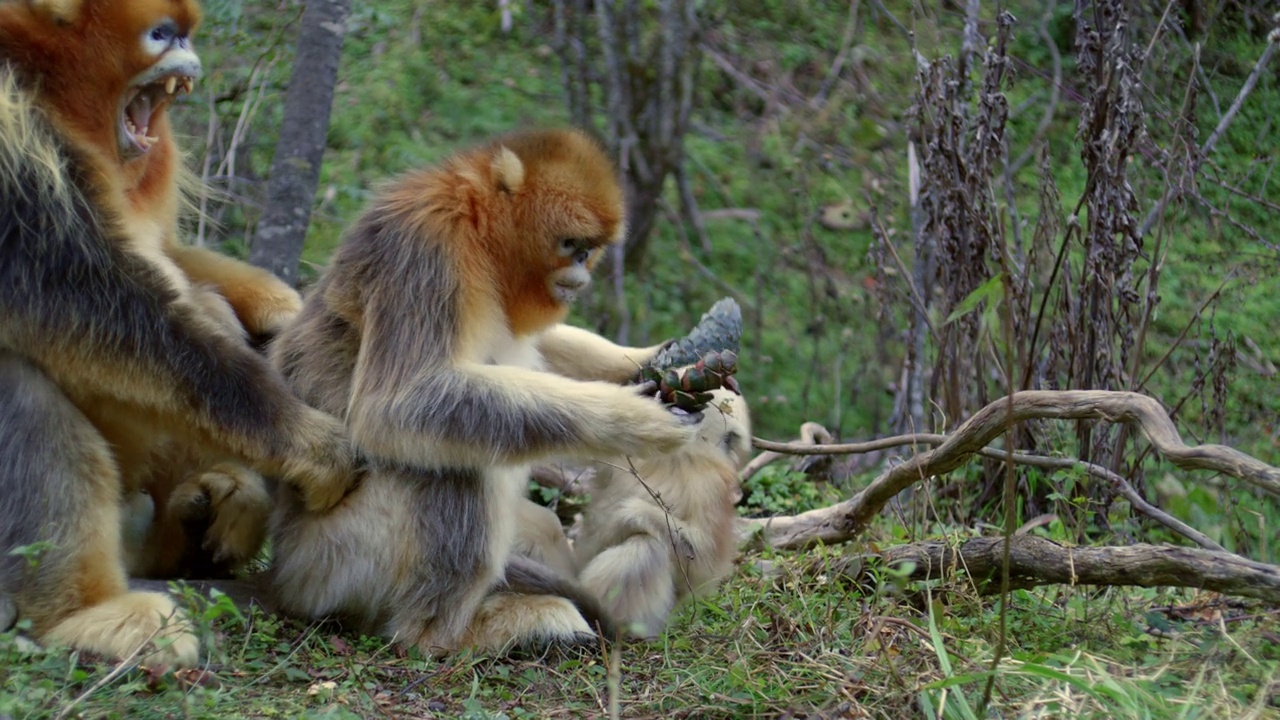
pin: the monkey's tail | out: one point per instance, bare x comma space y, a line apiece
525, 575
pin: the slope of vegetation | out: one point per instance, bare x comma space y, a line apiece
802, 201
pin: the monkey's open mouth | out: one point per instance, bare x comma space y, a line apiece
149, 92
141, 104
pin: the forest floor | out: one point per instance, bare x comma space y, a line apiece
783, 639
788, 636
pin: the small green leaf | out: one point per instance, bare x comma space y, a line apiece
992, 290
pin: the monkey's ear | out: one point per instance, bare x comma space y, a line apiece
59, 11
508, 170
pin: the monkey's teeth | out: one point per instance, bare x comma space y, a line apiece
188, 84
170, 84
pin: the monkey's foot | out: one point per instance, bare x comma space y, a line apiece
146, 623
507, 621
236, 501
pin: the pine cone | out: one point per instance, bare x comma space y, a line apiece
688, 369
719, 329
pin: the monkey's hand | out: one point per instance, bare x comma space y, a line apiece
267, 309
642, 427
324, 465
264, 303
238, 505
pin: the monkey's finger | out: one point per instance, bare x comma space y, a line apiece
646, 389
687, 417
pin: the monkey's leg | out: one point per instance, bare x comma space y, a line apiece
61, 495
263, 303
539, 536
536, 607
208, 517
635, 582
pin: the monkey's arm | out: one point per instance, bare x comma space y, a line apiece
474, 415
106, 326
263, 303
583, 355
415, 401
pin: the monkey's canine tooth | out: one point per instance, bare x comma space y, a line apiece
170, 84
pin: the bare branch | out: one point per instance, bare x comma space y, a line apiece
846, 44
1055, 92
846, 520
1122, 485
812, 437
1223, 124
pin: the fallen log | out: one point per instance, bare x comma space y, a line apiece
1036, 561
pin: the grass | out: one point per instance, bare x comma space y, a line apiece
785, 638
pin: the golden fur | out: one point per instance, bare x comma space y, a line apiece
661, 528
432, 334
123, 364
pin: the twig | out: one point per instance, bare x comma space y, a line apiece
687, 255
570, 482
1042, 461
833, 73
1122, 485
1185, 329
689, 209
1055, 92
811, 435
850, 448
894, 19
916, 300
746, 81
1218, 131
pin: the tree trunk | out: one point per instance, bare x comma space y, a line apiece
295, 169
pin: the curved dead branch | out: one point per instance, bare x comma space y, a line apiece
1035, 561
844, 521
812, 435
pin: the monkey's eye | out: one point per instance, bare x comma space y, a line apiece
569, 246
157, 39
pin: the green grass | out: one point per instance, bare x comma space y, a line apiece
786, 635
784, 638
